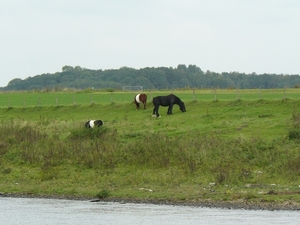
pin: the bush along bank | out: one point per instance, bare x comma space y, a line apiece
187, 168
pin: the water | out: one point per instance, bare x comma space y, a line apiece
61, 212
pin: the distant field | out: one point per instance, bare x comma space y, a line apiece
26, 99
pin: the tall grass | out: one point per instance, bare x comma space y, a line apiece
211, 156
294, 132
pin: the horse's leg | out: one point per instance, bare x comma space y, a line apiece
157, 114
137, 105
170, 109
155, 111
144, 104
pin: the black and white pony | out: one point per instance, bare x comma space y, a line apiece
169, 101
93, 123
140, 98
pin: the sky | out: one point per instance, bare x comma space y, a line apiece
247, 36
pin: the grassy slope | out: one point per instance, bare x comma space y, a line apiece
261, 122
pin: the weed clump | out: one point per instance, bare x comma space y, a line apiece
88, 133
294, 133
103, 194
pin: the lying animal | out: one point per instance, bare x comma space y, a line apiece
93, 123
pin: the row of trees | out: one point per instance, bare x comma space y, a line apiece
151, 78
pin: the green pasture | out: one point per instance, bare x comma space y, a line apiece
234, 113
31, 98
234, 139
269, 119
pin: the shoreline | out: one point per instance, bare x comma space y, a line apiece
239, 204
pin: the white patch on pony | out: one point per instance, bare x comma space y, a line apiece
92, 124
137, 98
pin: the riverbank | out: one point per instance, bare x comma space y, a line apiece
239, 204
218, 154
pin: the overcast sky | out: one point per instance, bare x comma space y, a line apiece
41, 36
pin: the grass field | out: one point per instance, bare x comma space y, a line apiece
228, 149
27, 99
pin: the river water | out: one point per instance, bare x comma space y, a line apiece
37, 211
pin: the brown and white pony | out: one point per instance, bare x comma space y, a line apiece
140, 98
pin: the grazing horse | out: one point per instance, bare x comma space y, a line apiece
93, 123
168, 100
140, 98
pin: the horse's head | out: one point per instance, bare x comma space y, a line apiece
182, 107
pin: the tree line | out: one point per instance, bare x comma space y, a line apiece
158, 78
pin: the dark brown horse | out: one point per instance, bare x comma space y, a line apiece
169, 101
140, 98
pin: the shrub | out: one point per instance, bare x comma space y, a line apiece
296, 118
294, 133
88, 133
103, 194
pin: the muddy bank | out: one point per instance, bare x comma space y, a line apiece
238, 204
